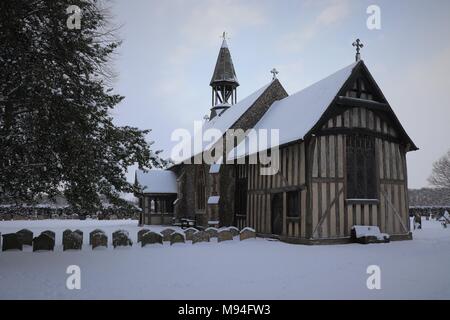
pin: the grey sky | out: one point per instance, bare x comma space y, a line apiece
170, 47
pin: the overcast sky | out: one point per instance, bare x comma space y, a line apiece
170, 48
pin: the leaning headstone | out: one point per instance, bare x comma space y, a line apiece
176, 237
25, 236
121, 238
151, 237
91, 235
72, 240
224, 235
44, 241
212, 232
141, 233
189, 233
201, 236
11, 241
99, 239
247, 233
167, 233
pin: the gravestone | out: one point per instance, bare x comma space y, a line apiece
224, 235
166, 233
79, 232
50, 233
212, 232
44, 241
91, 235
201, 236
247, 233
11, 241
25, 236
121, 238
66, 233
141, 233
234, 231
99, 239
189, 233
151, 237
72, 240
176, 237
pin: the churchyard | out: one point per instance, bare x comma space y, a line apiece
180, 264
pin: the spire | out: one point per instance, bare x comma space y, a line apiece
224, 70
224, 82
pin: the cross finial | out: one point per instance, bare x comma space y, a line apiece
358, 44
225, 36
274, 73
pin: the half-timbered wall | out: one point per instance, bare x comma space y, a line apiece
291, 176
332, 214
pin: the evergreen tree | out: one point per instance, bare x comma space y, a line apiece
56, 132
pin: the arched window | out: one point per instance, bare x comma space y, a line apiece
200, 198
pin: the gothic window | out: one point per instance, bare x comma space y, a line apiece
361, 168
200, 190
293, 204
360, 90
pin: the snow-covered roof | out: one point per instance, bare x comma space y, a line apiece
296, 115
157, 181
223, 122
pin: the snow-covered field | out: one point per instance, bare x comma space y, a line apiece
251, 269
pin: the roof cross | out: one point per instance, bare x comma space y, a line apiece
358, 44
225, 36
274, 73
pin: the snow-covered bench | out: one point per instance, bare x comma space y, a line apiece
368, 234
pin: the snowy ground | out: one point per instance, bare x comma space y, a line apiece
252, 269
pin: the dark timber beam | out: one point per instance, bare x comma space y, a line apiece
361, 103
349, 131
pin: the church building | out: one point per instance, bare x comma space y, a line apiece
340, 155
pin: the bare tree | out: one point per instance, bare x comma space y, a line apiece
440, 176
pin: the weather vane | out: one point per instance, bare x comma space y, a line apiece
358, 44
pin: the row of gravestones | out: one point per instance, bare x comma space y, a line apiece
145, 236
73, 240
